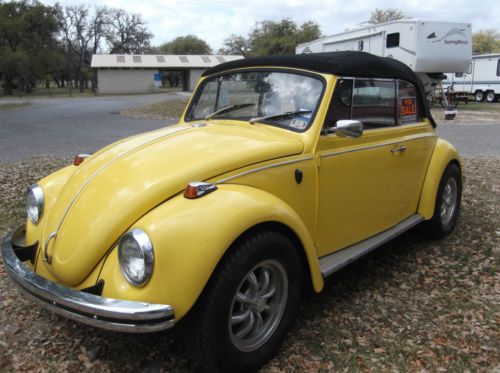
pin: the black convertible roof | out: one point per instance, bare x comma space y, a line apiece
348, 63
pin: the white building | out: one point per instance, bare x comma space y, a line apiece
119, 74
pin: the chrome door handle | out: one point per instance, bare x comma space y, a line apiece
400, 148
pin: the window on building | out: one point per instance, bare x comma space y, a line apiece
374, 102
137, 59
205, 59
120, 59
183, 59
160, 59
220, 59
360, 45
392, 40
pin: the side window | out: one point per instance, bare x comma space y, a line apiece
374, 103
392, 40
407, 103
498, 67
340, 106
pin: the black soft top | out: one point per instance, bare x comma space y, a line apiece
348, 63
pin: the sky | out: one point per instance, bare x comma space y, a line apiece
215, 20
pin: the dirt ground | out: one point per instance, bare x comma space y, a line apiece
413, 305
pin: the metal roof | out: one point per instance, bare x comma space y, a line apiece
159, 61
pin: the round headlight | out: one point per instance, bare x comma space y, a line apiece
34, 203
136, 257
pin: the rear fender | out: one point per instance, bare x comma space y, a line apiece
444, 153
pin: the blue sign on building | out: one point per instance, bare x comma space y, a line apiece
157, 77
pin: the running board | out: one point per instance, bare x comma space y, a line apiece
331, 263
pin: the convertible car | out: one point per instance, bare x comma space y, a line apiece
281, 171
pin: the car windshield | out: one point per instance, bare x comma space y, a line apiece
278, 98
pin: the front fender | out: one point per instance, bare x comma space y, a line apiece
443, 154
191, 236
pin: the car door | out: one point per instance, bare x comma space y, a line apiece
371, 183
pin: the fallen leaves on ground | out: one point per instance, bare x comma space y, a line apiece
412, 305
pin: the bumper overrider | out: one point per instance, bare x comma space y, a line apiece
94, 310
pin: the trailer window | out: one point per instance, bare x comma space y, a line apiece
374, 103
360, 45
407, 103
392, 40
498, 67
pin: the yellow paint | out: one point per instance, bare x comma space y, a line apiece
191, 236
350, 190
443, 154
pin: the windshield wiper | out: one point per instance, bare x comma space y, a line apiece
281, 115
227, 109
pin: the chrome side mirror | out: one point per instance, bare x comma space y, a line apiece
348, 128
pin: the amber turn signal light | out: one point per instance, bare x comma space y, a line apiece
79, 159
197, 189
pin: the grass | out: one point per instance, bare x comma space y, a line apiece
16, 105
160, 110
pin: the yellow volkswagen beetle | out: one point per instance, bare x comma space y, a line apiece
281, 171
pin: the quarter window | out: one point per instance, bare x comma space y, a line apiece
407, 103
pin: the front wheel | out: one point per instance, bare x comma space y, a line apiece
248, 306
447, 205
479, 96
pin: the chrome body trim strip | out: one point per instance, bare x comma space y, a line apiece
331, 263
264, 168
73, 199
101, 312
367, 147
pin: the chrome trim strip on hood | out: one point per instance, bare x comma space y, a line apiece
101, 312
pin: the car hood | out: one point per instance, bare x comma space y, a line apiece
113, 188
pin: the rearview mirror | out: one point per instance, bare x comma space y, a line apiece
348, 128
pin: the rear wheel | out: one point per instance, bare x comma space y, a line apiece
490, 96
479, 96
250, 303
447, 205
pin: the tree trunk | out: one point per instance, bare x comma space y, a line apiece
81, 84
7, 86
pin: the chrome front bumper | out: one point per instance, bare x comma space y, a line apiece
104, 313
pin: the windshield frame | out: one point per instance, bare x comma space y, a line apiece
311, 74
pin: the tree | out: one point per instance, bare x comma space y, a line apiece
127, 33
486, 41
235, 45
27, 42
381, 16
82, 32
189, 44
278, 38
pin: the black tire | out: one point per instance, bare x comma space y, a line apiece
207, 332
445, 218
479, 96
490, 96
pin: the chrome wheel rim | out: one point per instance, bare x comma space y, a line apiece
449, 201
258, 305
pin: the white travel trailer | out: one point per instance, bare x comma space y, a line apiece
429, 48
482, 79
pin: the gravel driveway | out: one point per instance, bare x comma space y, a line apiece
67, 126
